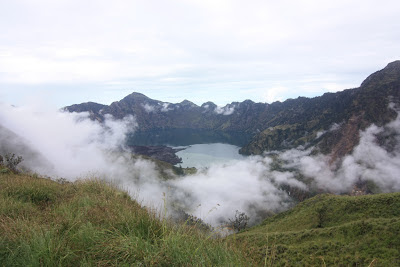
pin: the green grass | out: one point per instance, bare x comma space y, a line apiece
330, 230
92, 223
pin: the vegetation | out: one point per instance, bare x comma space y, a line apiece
10, 162
330, 230
92, 223
239, 222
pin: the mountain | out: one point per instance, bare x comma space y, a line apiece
91, 107
333, 120
154, 114
330, 123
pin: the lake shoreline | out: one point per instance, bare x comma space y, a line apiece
162, 153
204, 155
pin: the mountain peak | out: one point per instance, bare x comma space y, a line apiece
394, 64
188, 103
208, 105
136, 95
387, 75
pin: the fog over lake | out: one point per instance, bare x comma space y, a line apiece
204, 155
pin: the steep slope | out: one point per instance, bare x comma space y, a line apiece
92, 223
11, 143
332, 230
330, 122
338, 116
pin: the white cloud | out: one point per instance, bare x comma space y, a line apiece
148, 108
247, 185
368, 161
319, 134
73, 144
333, 127
275, 94
227, 110
165, 107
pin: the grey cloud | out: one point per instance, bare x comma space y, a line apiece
241, 48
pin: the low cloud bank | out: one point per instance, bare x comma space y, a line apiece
376, 158
71, 146
71, 143
246, 185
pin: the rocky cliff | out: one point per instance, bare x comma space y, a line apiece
332, 122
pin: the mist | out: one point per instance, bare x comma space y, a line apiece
376, 158
71, 146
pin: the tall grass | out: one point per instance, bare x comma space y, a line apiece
92, 223
330, 230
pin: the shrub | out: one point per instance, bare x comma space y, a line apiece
10, 160
239, 222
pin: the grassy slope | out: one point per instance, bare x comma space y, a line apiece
45, 223
331, 230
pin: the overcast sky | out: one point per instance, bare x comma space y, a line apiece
68, 51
